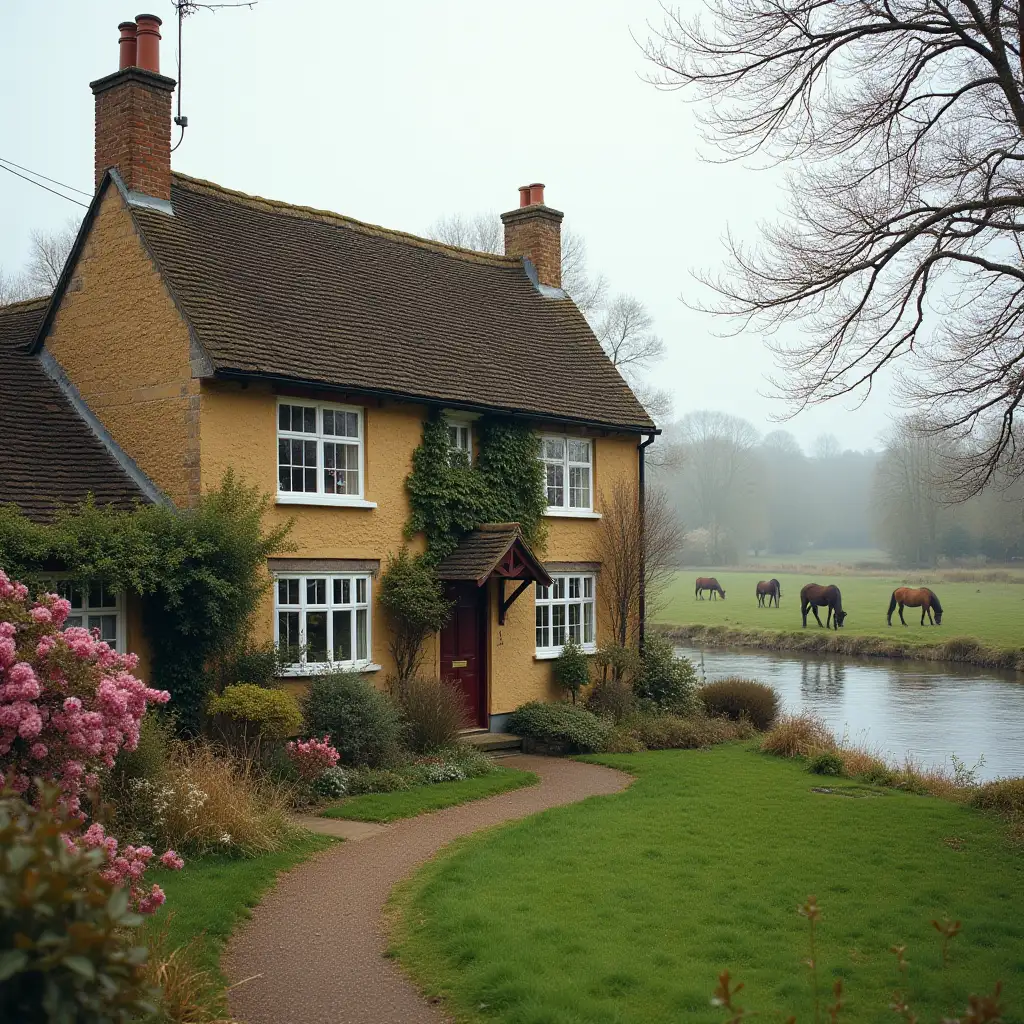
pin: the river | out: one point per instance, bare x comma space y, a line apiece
927, 710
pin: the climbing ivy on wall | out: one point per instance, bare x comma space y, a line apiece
450, 497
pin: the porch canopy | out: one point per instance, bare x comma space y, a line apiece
498, 550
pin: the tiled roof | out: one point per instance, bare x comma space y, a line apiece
481, 551
305, 295
50, 455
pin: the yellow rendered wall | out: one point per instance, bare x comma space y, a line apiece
135, 641
238, 430
121, 342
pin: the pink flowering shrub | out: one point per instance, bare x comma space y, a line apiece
311, 757
68, 704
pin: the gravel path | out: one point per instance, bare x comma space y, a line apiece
312, 953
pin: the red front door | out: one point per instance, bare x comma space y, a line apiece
462, 648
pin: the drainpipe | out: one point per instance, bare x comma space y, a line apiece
643, 550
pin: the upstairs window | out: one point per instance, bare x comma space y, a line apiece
319, 450
565, 610
460, 441
567, 472
323, 621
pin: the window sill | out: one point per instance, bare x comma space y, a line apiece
308, 671
571, 513
331, 500
550, 653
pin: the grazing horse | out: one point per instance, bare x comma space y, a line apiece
708, 583
770, 589
814, 596
925, 599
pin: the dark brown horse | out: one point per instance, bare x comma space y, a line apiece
815, 596
923, 598
770, 589
708, 583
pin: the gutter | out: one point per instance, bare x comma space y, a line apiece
443, 403
642, 610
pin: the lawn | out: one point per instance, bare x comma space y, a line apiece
992, 613
211, 895
407, 803
625, 909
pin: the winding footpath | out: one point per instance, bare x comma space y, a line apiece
313, 950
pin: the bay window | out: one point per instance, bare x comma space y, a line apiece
566, 610
320, 451
322, 621
568, 464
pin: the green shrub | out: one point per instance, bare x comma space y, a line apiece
828, 763
571, 670
434, 713
330, 784
622, 740
612, 697
413, 598
364, 724
741, 698
617, 661
582, 730
376, 780
135, 774
254, 663
67, 949
472, 760
672, 732
665, 681
253, 712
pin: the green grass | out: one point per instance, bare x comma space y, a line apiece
407, 803
211, 895
990, 613
625, 909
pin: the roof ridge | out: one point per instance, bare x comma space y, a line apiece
38, 300
342, 220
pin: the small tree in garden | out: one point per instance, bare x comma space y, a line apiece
572, 672
415, 603
68, 704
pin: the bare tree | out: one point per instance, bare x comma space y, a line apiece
827, 446
903, 124
50, 251
13, 288
630, 541
481, 232
588, 290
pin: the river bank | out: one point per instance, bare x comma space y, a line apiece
958, 649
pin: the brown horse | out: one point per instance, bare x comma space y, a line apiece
923, 598
708, 583
769, 589
815, 596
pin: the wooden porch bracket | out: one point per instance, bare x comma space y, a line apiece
505, 603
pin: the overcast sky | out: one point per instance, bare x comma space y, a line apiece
400, 112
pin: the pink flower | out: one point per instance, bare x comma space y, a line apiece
169, 859
41, 614
38, 751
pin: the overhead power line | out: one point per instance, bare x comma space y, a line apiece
32, 181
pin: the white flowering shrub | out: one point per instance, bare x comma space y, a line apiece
330, 784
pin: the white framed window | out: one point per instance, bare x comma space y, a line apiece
568, 473
460, 440
324, 620
320, 453
94, 606
566, 609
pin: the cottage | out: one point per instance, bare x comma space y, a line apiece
197, 329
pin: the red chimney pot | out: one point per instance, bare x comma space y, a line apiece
524, 195
148, 54
127, 44
536, 193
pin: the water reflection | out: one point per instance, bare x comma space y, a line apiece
925, 710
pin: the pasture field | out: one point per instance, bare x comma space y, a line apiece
625, 909
991, 613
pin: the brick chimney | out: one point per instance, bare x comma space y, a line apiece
133, 112
535, 231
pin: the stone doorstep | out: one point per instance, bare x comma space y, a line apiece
492, 741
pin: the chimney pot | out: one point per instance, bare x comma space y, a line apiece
524, 195
127, 44
148, 51
534, 231
536, 193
